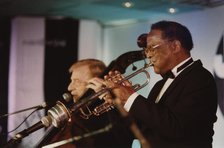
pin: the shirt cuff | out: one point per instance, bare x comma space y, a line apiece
130, 101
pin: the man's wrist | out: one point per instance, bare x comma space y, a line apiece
130, 101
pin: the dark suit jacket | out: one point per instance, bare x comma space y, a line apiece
185, 115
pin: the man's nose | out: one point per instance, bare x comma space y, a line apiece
149, 53
70, 87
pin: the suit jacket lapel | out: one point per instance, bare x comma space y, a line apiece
179, 79
155, 90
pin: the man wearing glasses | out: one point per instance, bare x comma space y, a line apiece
180, 110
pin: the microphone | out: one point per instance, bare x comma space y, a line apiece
61, 112
56, 116
45, 122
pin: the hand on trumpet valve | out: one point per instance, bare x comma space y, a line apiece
121, 88
117, 78
98, 84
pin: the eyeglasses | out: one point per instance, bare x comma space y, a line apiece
152, 48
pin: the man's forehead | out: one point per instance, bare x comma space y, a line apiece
80, 67
153, 39
80, 70
155, 34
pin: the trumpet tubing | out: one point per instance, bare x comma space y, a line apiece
142, 70
104, 107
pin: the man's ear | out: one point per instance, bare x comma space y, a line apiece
176, 46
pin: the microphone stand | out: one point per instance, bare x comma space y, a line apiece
26, 109
76, 138
51, 131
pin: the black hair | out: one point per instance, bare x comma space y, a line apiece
175, 31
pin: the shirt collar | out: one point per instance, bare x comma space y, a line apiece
174, 70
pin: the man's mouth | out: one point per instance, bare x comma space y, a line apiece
74, 94
75, 98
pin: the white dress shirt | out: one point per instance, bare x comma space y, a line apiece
132, 98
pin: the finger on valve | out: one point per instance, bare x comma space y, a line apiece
118, 78
108, 98
113, 76
121, 79
97, 85
109, 76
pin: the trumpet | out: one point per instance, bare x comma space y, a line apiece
86, 112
